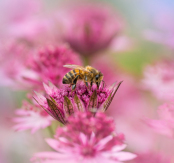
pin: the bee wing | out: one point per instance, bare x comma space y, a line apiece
76, 67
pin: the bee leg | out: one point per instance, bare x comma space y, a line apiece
97, 85
74, 83
86, 84
86, 81
91, 84
73, 87
104, 84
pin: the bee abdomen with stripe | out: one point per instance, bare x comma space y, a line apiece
69, 77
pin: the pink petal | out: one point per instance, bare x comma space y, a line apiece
101, 159
20, 119
103, 142
40, 99
124, 156
92, 137
47, 89
53, 143
160, 127
64, 140
50, 155
83, 138
21, 127
118, 148
34, 129
21, 112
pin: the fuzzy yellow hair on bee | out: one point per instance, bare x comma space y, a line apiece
88, 74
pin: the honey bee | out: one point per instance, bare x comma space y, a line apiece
87, 74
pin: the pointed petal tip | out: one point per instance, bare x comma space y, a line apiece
35, 92
38, 94
48, 89
117, 82
66, 98
50, 84
45, 85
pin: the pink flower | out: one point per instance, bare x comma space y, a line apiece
21, 20
31, 117
13, 57
48, 63
150, 157
165, 124
128, 108
61, 103
26, 68
95, 143
128, 94
90, 28
34, 30
160, 80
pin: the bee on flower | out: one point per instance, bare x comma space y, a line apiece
87, 74
60, 103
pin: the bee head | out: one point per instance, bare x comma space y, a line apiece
98, 79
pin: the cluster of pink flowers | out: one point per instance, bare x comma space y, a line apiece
165, 124
12, 60
160, 80
32, 117
93, 32
36, 59
48, 63
36, 55
86, 139
29, 68
64, 102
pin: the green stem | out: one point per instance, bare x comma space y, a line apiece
86, 60
50, 131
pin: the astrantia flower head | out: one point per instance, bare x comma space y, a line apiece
165, 124
47, 64
86, 123
25, 68
160, 80
31, 117
13, 57
95, 143
61, 103
90, 28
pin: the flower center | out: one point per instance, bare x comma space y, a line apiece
88, 151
